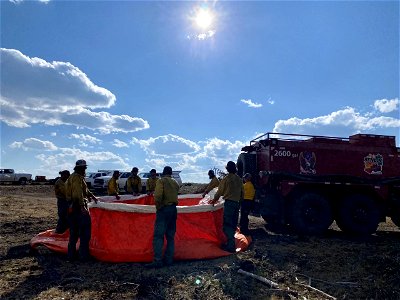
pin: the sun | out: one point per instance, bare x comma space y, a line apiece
204, 18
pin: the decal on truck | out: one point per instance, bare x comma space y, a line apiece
307, 162
373, 164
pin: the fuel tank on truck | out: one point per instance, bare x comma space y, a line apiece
361, 155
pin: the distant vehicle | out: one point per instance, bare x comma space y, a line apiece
308, 181
122, 180
176, 175
146, 175
90, 177
53, 180
40, 180
100, 183
9, 176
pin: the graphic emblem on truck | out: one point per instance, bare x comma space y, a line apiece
373, 164
307, 162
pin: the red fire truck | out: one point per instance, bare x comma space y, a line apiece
309, 181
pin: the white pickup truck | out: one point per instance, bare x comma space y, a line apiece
90, 177
9, 176
101, 183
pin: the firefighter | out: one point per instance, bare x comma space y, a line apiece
166, 199
62, 203
231, 189
80, 223
213, 183
134, 183
112, 187
247, 203
151, 182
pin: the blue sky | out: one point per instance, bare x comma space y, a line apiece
125, 84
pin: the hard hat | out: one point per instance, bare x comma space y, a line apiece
247, 175
81, 163
64, 172
167, 170
231, 167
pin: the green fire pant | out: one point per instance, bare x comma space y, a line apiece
231, 215
165, 225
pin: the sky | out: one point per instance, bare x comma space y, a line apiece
188, 84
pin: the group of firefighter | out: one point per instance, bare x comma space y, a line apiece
133, 184
73, 196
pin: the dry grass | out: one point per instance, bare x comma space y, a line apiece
347, 268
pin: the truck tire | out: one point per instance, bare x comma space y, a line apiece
358, 215
396, 220
246, 163
22, 181
310, 213
395, 208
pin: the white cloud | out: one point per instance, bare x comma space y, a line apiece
20, 1
85, 138
250, 103
120, 144
56, 93
221, 149
34, 144
167, 145
206, 35
345, 121
270, 101
67, 157
215, 152
386, 106
195, 158
202, 36
53, 134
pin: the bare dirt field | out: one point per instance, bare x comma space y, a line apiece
341, 266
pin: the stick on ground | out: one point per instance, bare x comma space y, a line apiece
260, 278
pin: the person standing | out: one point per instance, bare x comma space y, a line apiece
80, 223
213, 183
134, 183
112, 187
231, 189
166, 199
151, 182
62, 203
247, 203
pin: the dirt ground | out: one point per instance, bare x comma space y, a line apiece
339, 265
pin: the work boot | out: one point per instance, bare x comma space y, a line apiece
154, 265
228, 249
168, 263
245, 231
86, 259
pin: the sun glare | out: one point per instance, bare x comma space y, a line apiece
204, 18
